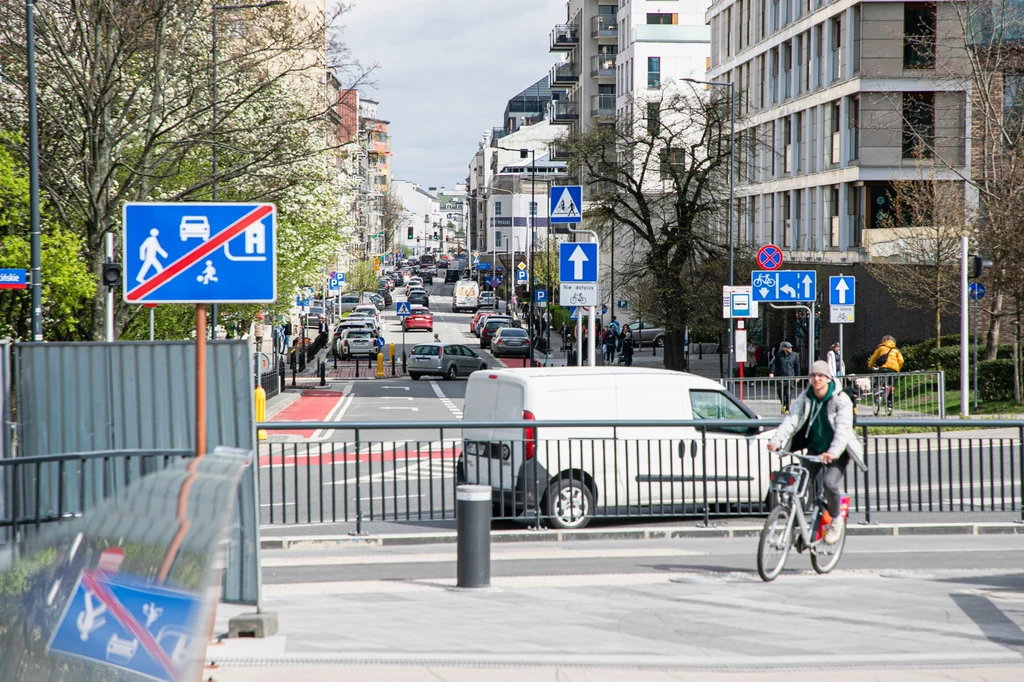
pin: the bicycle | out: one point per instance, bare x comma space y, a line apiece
578, 299
777, 538
882, 393
764, 280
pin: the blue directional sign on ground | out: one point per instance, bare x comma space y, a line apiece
976, 291
540, 295
200, 253
144, 629
577, 262
565, 202
402, 309
842, 290
784, 286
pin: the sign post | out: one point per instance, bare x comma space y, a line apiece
842, 299
789, 286
402, 310
976, 292
200, 253
577, 275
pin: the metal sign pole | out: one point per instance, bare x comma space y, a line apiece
810, 339
975, 354
152, 328
592, 342
579, 337
200, 379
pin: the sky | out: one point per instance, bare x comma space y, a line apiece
447, 68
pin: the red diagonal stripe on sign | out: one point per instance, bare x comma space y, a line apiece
126, 619
198, 253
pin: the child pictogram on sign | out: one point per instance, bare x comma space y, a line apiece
209, 274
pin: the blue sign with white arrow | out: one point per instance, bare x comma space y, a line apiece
403, 309
842, 290
200, 253
577, 262
976, 291
564, 202
141, 628
784, 286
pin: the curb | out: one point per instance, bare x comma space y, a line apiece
308, 542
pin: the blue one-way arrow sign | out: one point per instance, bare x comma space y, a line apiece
577, 262
842, 290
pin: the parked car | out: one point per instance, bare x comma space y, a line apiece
510, 341
369, 309
474, 330
448, 360
645, 334
369, 320
572, 473
419, 298
451, 275
386, 295
358, 342
481, 321
349, 302
486, 299
378, 300
419, 317
493, 324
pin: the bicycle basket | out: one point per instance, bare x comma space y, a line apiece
789, 479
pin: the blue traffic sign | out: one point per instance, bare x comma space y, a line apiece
577, 262
521, 276
341, 276
482, 266
622, 304
769, 257
564, 202
476, 261
333, 283
540, 295
842, 290
784, 286
403, 309
13, 279
574, 313
976, 291
740, 304
200, 253
136, 627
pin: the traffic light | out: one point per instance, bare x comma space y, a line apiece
978, 265
409, 233
111, 274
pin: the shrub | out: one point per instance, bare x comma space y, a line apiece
995, 379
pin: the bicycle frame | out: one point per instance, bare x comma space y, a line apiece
807, 518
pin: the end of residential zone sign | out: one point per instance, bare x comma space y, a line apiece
200, 253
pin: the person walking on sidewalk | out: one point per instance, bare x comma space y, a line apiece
286, 332
608, 341
257, 333
627, 346
785, 364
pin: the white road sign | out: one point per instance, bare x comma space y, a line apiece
578, 294
841, 314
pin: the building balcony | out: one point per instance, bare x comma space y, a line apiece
564, 113
564, 75
671, 33
602, 105
564, 37
558, 153
602, 66
603, 27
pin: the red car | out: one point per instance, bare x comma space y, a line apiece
476, 321
419, 318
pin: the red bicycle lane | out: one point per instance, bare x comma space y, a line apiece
312, 406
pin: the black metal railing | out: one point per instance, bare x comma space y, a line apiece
271, 383
622, 469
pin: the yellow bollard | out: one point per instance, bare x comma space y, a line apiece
380, 365
391, 352
260, 397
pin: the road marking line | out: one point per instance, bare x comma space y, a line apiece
337, 413
414, 409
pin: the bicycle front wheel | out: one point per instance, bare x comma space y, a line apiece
773, 549
826, 557
878, 402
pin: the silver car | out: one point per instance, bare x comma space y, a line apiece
358, 342
645, 334
447, 360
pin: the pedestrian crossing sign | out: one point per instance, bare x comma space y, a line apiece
564, 204
402, 309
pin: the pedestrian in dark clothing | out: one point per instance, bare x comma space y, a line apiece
608, 341
627, 347
785, 364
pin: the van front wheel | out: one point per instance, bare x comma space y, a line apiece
570, 503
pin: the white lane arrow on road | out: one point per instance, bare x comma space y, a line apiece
395, 397
578, 258
414, 409
807, 286
841, 288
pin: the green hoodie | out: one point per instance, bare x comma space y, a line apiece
819, 431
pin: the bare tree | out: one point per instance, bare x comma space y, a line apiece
661, 173
392, 211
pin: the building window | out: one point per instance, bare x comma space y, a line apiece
1013, 106
672, 162
854, 125
918, 35
659, 19
834, 113
654, 72
787, 145
837, 48
533, 208
497, 207
918, 124
653, 118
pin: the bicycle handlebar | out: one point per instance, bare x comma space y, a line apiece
798, 455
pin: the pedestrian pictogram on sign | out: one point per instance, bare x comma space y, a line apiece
199, 253
402, 309
564, 204
769, 257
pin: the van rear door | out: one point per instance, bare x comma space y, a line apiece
489, 453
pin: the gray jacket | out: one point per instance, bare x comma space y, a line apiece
785, 364
840, 417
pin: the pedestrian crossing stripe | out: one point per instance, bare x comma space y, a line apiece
565, 207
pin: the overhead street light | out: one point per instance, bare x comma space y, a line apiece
732, 206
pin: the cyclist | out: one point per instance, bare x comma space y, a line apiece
887, 359
821, 422
785, 364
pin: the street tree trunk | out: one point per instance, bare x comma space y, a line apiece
995, 320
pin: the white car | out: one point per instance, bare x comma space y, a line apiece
368, 309
194, 227
610, 468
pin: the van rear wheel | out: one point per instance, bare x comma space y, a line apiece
570, 504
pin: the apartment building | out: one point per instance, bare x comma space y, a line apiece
835, 101
366, 138
420, 229
454, 214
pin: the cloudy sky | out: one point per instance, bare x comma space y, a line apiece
447, 69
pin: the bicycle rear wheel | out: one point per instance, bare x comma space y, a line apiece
773, 548
826, 557
877, 401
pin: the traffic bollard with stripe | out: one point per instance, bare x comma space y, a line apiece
473, 514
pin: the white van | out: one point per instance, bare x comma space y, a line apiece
466, 296
573, 474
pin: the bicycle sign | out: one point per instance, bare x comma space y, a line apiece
763, 279
578, 294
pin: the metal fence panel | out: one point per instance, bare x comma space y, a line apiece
915, 395
77, 397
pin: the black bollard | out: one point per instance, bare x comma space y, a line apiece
293, 376
473, 525
323, 373
357, 367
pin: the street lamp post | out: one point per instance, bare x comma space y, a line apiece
732, 204
33, 175
213, 104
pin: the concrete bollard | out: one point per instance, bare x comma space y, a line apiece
473, 524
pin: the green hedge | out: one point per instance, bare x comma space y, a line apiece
995, 379
923, 356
